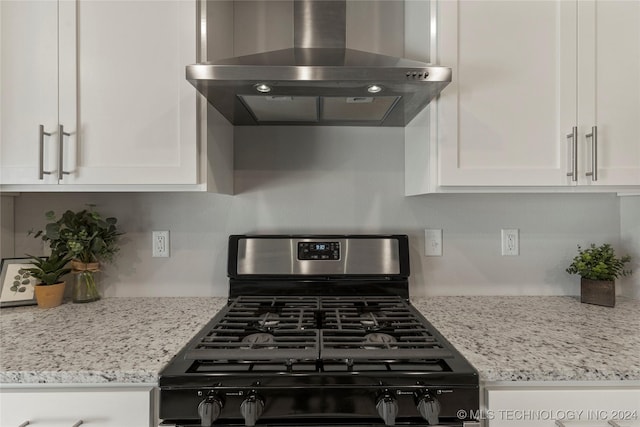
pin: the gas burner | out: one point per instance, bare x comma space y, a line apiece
371, 323
259, 340
266, 324
377, 340
373, 326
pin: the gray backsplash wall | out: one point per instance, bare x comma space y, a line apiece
292, 180
630, 242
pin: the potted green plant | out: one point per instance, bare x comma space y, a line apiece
87, 239
598, 268
49, 271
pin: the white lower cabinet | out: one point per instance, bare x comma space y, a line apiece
549, 406
67, 406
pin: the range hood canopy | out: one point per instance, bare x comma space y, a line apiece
318, 81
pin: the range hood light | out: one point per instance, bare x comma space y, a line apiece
374, 89
263, 88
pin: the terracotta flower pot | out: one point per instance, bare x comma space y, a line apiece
49, 296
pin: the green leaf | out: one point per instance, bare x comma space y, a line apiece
22, 289
52, 231
14, 288
84, 235
26, 282
598, 263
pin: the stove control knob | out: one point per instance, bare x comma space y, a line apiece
387, 408
429, 408
209, 410
251, 409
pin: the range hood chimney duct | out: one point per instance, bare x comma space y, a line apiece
319, 81
320, 24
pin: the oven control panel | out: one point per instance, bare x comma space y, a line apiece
295, 404
324, 251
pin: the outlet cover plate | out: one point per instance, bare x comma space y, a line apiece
510, 241
160, 244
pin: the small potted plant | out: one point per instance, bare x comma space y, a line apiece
87, 239
49, 271
598, 267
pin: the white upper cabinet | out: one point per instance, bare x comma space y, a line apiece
526, 74
29, 87
111, 73
504, 118
609, 91
136, 110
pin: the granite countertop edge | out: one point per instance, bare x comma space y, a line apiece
474, 325
78, 377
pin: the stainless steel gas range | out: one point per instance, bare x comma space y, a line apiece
318, 331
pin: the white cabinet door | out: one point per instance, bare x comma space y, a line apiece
504, 119
111, 73
136, 111
609, 90
65, 407
542, 406
29, 87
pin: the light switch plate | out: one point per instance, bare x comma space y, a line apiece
433, 242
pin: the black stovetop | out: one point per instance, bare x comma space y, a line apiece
316, 334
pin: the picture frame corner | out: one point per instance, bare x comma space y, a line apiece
14, 300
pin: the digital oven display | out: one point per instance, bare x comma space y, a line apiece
329, 251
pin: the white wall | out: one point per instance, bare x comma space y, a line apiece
630, 242
298, 179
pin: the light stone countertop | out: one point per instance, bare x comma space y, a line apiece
129, 340
529, 338
113, 340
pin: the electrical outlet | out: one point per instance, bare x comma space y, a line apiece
160, 244
433, 242
510, 241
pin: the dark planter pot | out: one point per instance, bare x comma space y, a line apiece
598, 292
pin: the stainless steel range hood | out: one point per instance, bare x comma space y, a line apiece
318, 81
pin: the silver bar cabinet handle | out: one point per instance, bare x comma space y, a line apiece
594, 153
41, 171
26, 423
573, 136
61, 135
